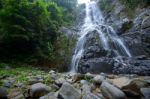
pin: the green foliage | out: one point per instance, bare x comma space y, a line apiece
29, 28
106, 6
132, 4
21, 73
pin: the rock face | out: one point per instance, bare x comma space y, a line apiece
38, 90
94, 57
111, 92
135, 32
67, 91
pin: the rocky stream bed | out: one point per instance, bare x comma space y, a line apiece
53, 85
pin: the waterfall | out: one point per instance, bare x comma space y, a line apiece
94, 21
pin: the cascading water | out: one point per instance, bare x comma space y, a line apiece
95, 21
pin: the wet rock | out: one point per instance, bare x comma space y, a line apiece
67, 91
34, 81
83, 82
111, 92
59, 82
145, 92
3, 93
96, 65
121, 81
9, 82
125, 25
38, 90
97, 80
148, 81
49, 96
90, 96
140, 67
146, 23
53, 75
86, 92
77, 77
54, 87
131, 94
141, 57
135, 85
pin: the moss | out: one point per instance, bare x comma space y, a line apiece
106, 6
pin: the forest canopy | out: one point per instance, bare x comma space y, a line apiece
29, 29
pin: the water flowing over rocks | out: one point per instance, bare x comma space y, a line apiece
113, 42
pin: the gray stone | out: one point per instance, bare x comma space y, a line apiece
38, 90
96, 65
59, 82
137, 83
97, 80
86, 92
67, 91
111, 92
3, 93
49, 96
145, 92
34, 81
77, 77
83, 82
121, 81
146, 23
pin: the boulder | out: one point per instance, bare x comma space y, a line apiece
145, 92
146, 23
59, 82
111, 92
97, 80
3, 93
135, 86
86, 92
67, 91
77, 77
49, 96
121, 81
96, 65
38, 90
34, 81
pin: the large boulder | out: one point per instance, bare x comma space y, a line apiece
96, 65
97, 80
67, 91
37, 90
111, 92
